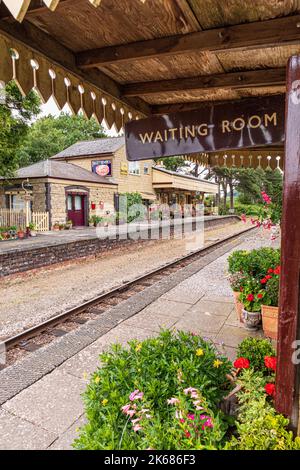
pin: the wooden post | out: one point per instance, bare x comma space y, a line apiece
287, 377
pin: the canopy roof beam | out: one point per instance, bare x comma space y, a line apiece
236, 80
260, 34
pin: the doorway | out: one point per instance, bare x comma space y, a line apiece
76, 209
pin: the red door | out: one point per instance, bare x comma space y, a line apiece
76, 209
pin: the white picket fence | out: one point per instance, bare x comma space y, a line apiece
9, 218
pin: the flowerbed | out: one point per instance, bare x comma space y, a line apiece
166, 394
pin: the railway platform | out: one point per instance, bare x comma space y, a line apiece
40, 396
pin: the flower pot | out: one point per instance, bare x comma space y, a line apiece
238, 306
251, 320
270, 321
32, 233
21, 235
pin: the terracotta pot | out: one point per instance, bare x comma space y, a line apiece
270, 321
238, 306
21, 235
251, 320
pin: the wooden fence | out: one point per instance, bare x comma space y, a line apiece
10, 218
41, 221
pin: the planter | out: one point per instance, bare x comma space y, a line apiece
238, 306
21, 235
270, 321
32, 233
251, 320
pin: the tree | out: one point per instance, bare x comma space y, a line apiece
16, 112
50, 135
172, 163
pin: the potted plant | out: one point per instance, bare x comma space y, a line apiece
32, 229
56, 226
21, 234
251, 298
95, 220
269, 308
68, 225
237, 281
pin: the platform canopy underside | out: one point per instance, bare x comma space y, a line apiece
125, 60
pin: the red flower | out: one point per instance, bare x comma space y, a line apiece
263, 281
270, 271
270, 362
259, 296
241, 363
270, 389
250, 297
277, 270
268, 276
241, 289
187, 434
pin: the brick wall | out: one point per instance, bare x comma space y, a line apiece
26, 260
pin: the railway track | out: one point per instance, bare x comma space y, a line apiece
59, 325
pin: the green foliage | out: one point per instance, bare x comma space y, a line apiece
131, 206
95, 219
272, 292
255, 350
255, 262
15, 116
172, 163
259, 427
161, 368
248, 209
251, 295
237, 281
50, 135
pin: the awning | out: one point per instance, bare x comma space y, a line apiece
164, 179
150, 196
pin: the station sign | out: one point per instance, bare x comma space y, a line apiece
246, 123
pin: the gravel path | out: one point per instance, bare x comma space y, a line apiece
29, 300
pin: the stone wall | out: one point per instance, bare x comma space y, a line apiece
39, 197
21, 260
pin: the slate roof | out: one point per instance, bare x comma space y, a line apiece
92, 147
60, 170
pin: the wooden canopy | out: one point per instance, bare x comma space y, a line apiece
131, 58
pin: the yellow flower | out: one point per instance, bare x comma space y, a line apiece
104, 402
199, 352
138, 347
97, 380
85, 375
217, 363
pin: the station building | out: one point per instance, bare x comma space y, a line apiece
86, 179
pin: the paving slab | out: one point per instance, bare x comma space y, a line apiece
65, 441
167, 307
212, 307
232, 336
18, 434
203, 322
153, 322
87, 361
53, 403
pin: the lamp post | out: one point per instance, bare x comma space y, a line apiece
27, 199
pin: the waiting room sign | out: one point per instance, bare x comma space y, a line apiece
248, 123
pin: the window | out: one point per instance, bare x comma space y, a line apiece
146, 169
134, 168
69, 202
16, 202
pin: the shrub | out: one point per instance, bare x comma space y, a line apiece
255, 262
238, 261
237, 281
255, 350
259, 427
272, 291
158, 369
